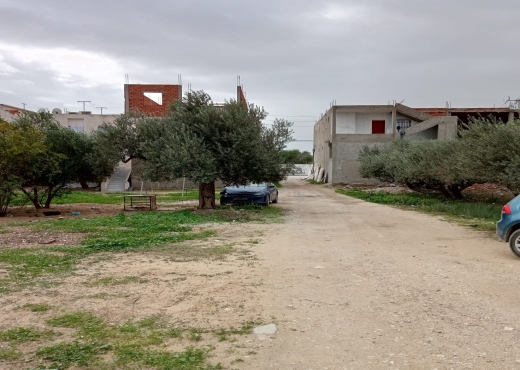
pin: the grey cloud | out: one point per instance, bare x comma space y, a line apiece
292, 60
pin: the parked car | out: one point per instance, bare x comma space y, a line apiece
508, 228
263, 193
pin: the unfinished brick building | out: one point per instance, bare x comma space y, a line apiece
138, 98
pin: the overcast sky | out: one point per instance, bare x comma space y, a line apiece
294, 57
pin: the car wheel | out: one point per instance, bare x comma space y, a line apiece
514, 242
267, 200
276, 199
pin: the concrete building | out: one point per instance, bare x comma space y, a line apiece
8, 112
82, 121
344, 130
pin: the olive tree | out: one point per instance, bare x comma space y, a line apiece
204, 143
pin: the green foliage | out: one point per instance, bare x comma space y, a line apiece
66, 157
491, 152
202, 143
19, 148
466, 210
486, 151
125, 138
294, 156
422, 165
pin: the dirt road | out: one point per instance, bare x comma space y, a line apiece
354, 285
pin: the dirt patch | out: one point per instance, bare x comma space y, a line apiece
19, 237
197, 292
29, 213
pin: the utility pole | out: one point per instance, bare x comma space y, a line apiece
83, 101
101, 108
24, 105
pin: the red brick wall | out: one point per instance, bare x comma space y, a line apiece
138, 102
241, 97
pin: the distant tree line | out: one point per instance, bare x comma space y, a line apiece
488, 151
294, 156
197, 140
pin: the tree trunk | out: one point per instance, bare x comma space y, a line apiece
456, 191
84, 184
207, 195
50, 195
33, 198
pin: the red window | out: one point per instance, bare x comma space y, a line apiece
378, 127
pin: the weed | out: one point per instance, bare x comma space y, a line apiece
9, 354
63, 355
251, 353
253, 241
37, 307
237, 360
88, 325
190, 359
110, 280
195, 334
481, 215
26, 265
246, 328
24, 334
173, 333
314, 182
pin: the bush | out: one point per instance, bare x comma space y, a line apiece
422, 165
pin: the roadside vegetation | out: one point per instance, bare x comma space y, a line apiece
478, 214
485, 152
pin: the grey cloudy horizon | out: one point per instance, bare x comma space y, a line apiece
294, 57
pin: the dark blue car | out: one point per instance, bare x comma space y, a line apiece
508, 228
263, 193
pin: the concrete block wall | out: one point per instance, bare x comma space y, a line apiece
345, 162
323, 141
135, 100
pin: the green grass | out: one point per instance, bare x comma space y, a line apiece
94, 197
122, 233
95, 344
63, 355
130, 345
27, 265
314, 182
9, 354
37, 307
467, 212
24, 334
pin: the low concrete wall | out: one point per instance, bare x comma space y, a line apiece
301, 169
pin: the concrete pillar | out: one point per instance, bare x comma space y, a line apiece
394, 122
511, 116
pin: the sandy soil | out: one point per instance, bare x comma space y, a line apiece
356, 285
349, 284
